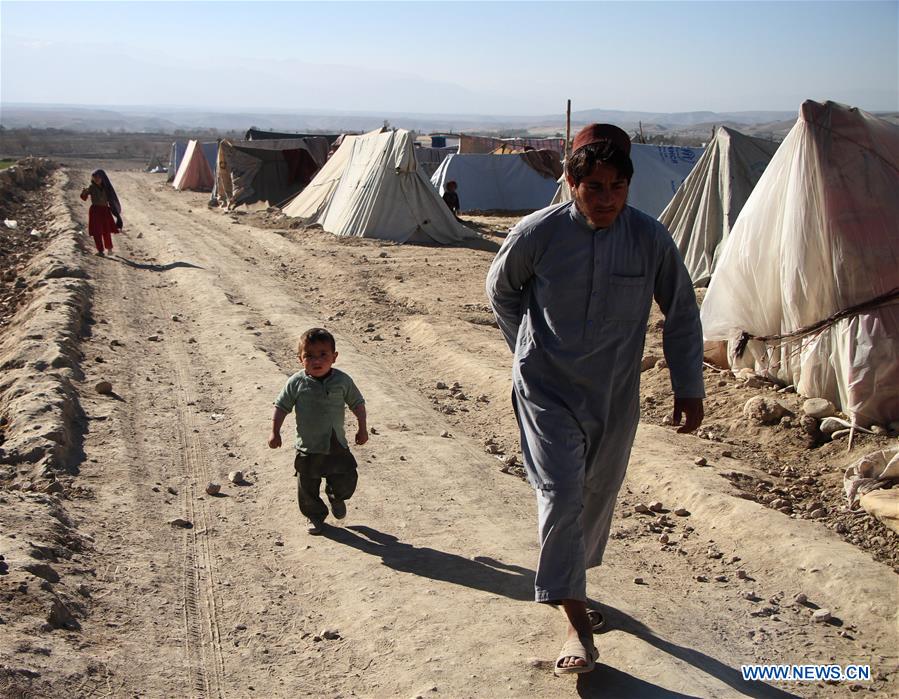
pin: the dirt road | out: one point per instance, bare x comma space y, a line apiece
426, 585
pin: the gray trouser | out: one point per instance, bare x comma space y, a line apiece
561, 568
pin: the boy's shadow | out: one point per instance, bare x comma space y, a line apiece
479, 573
515, 582
153, 267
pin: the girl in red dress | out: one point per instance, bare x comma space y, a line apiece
104, 205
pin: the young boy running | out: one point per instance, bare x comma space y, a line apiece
318, 394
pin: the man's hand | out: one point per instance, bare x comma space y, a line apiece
274, 440
692, 410
361, 436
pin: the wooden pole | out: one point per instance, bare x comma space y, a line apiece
567, 130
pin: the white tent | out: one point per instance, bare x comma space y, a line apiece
808, 280
196, 168
658, 172
705, 207
496, 182
372, 187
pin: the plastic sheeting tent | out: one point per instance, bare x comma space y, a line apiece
818, 236
658, 172
175, 156
372, 187
705, 207
496, 182
195, 172
266, 170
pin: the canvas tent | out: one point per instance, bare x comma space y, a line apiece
705, 207
522, 182
269, 170
195, 172
819, 236
658, 172
372, 187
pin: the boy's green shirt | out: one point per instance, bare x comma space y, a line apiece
319, 408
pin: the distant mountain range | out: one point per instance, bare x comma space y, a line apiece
167, 120
170, 119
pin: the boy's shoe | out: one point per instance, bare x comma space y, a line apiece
100, 253
315, 526
338, 508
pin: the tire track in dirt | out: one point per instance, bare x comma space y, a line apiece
202, 632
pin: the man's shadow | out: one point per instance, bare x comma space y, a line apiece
606, 681
489, 575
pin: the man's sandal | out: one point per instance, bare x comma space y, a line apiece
581, 647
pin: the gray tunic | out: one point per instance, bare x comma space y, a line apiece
572, 303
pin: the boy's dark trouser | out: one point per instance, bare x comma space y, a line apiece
339, 486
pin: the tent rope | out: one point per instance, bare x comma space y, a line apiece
882, 300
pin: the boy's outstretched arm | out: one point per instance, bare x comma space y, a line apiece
274, 440
362, 432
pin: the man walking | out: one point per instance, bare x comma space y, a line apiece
571, 289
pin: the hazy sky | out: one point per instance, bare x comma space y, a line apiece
452, 57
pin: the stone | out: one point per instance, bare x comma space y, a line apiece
682, 512
700, 461
720, 578
817, 513
829, 425
180, 523
764, 411
701, 578
663, 538
642, 509
213, 488
749, 595
879, 430
656, 506
819, 408
800, 598
661, 364
330, 634
638, 581
446, 435
742, 574
153, 338
236, 477
649, 361
726, 454
821, 615
59, 617
103, 388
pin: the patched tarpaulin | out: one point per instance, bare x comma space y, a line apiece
485, 144
269, 170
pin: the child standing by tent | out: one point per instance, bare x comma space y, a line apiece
318, 394
104, 205
451, 197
